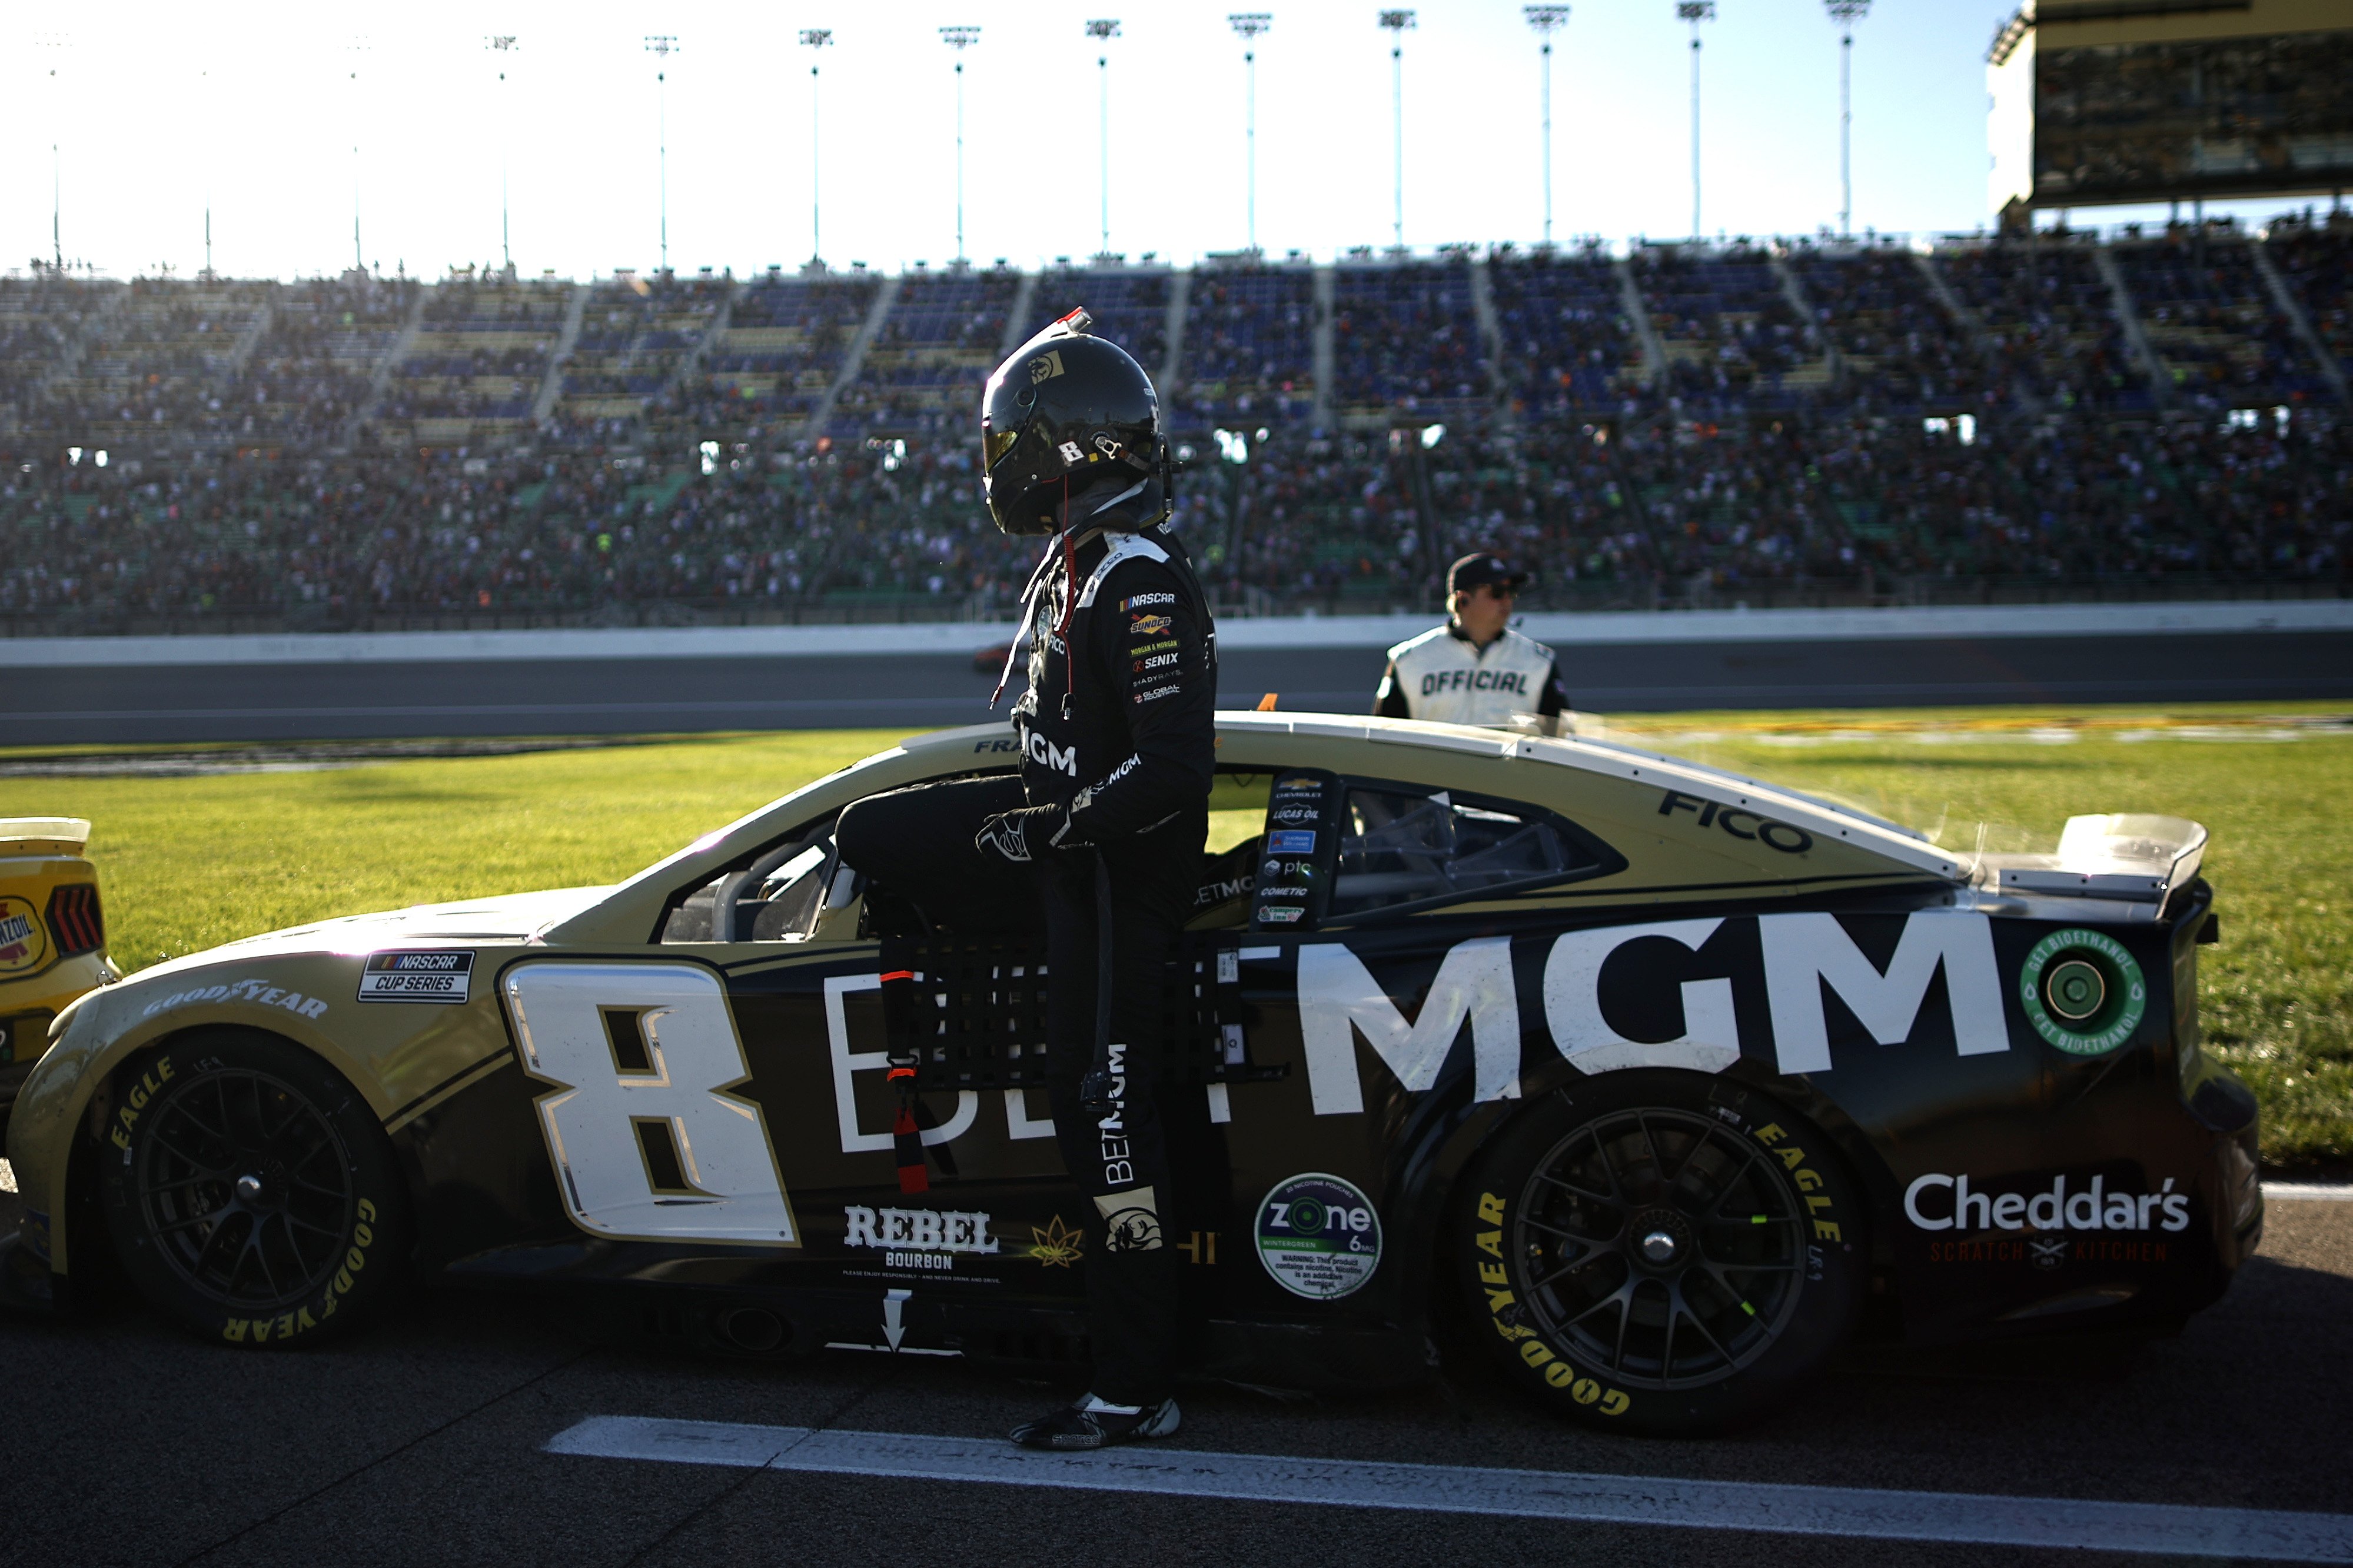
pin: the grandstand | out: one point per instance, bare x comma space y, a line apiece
2039, 415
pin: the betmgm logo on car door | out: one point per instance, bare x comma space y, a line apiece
1666, 994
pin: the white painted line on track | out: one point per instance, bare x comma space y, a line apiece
2308, 1191
1960, 1517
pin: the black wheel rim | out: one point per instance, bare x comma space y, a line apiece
245, 1190
1662, 1245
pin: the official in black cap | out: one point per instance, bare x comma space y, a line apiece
1474, 670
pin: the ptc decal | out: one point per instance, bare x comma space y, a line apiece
2082, 992
1319, 1237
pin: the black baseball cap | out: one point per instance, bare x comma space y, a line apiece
1482, 570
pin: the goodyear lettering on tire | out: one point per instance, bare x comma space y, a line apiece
287, 1325
1504, 1312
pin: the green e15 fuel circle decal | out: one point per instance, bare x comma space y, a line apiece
2082, 992
1319, 1237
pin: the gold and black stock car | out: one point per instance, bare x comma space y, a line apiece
1644, 1077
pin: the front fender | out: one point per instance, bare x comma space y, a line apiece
110, 1027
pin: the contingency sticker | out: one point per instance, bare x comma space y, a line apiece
441, 975
1319, 1237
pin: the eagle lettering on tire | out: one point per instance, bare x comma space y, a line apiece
250, 1192
1652, 1253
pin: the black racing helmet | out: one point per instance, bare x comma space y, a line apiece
1070, 414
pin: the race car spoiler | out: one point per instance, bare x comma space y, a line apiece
2129, 857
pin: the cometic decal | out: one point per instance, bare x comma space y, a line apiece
1319, 1237
438, 975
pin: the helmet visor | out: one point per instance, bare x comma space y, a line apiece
995, 443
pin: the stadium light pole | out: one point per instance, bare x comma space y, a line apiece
661, 46
1547, 20
1846, 13
503, 43
358, 45
1102, 29
1696, 12
1249, 24
1397, 22
815, 39
56, 161
959, 39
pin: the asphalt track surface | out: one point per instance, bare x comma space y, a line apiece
425, 1440
374, 700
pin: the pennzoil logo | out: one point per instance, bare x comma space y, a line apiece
24, 942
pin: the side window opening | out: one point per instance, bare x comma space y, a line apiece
777, 897
1398, 848
1344, 849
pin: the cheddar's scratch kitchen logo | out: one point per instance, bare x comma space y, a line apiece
1993, 1226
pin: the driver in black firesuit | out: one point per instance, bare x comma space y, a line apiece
1118, 751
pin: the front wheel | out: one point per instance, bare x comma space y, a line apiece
251, 1193
1662, 1253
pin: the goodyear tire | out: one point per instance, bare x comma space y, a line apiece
1661, 1253
251, 1193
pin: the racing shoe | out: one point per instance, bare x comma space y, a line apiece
1095, 1423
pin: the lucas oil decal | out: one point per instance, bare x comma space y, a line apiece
440, 975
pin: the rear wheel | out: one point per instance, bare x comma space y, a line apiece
1658, 1252
251, 1193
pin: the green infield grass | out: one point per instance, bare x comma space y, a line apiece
192, 861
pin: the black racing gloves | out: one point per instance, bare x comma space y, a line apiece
1022, 836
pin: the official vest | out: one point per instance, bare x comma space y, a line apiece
1447, 679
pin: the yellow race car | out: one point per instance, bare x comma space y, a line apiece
52, 937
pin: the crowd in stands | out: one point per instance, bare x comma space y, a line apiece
1859, 418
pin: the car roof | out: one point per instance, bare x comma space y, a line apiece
1610, 788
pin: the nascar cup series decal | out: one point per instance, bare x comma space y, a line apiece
1319, 1237
2082, 992
441, 975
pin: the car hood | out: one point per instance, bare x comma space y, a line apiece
511, 917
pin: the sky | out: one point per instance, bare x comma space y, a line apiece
279, 116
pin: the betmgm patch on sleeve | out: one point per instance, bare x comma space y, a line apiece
438, 975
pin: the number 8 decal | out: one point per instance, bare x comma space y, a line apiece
648, 1142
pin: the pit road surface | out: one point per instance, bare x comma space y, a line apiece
381, 699
423, 1440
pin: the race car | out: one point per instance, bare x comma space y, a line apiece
52, 937
1656, 1082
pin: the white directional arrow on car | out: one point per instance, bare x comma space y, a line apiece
893, 1329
